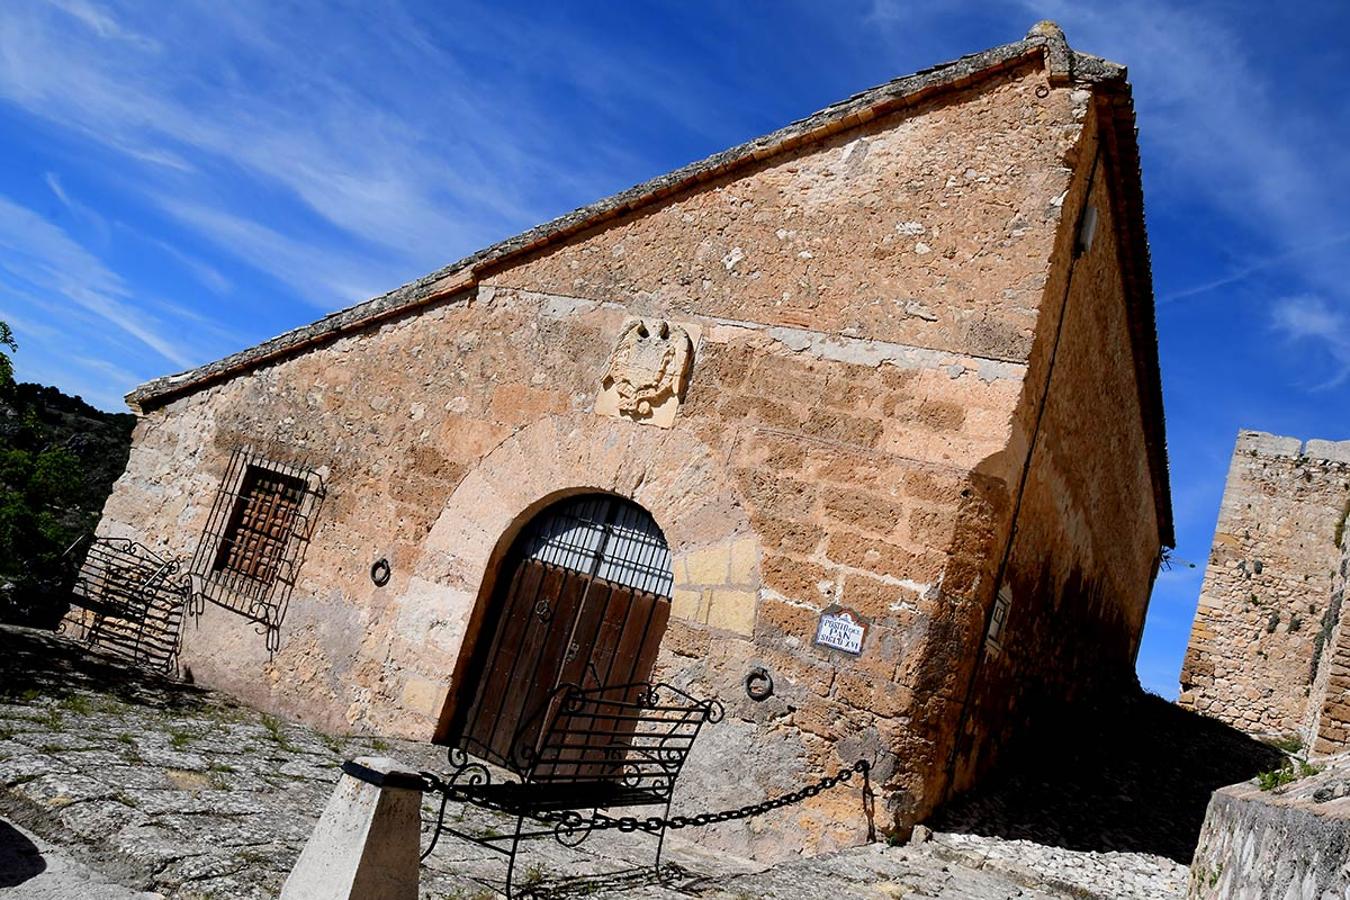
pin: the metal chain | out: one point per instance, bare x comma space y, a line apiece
573, 821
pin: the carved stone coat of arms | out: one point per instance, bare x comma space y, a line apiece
645, 377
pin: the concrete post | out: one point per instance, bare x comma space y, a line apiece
367, 842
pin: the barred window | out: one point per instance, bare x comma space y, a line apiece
261, 524
256, 536
604, 536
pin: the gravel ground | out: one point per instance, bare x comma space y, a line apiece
1078, 872
116, 782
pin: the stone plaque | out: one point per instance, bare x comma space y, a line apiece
841, 629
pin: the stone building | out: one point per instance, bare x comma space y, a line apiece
868, 407
1270, 651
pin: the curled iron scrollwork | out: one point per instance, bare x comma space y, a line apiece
523, 756
572, 828
465, 772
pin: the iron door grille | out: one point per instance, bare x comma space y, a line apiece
583, 599
605, 537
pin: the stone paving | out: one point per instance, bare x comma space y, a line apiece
132, 786
1130, 773
35, 869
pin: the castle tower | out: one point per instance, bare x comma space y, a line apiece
1264, 614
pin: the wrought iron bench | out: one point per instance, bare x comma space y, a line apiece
599, 749
129, 602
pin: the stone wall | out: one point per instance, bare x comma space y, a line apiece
1267, 584
1291, 842
1085, 539
1327, 729
866, 308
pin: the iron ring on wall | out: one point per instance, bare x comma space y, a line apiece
380, 572
758, 684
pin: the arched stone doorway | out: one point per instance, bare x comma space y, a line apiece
582, 596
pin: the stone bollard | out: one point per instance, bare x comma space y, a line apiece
367, 842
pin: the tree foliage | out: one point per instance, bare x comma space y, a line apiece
6, 365
58, 460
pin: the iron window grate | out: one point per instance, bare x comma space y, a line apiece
256, 535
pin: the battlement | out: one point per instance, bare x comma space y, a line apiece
1261, 443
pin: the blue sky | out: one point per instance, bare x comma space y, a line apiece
181, 180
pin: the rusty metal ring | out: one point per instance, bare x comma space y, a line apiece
1042, 91
380, 572
758, 684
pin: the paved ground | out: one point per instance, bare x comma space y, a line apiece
34, 869
1132, 773
115, 784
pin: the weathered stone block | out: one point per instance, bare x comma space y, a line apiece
424, 695
743, 561
732, 610
366, 844
709, 566
687, 604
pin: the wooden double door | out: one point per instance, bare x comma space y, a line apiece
554, 624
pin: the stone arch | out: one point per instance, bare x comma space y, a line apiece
670, 473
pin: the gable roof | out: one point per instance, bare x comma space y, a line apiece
1045, 41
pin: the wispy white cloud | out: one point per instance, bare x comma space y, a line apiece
42, 255
22, 323
101, 23
235, 119
85, 214
1310, 318
323, 278
1246, 270
54, 183
117, 374
204, 272
358, 163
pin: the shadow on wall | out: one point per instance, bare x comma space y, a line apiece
1128, 773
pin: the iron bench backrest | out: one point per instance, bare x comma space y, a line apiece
636, 736
137, 599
